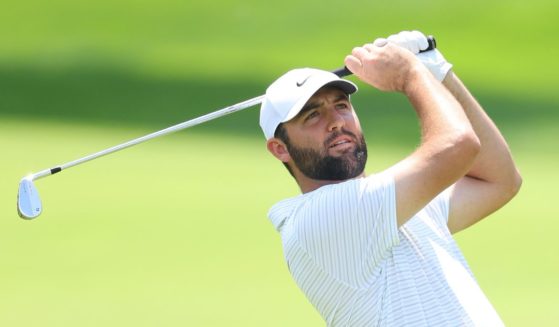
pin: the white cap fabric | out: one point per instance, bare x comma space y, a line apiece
289, 93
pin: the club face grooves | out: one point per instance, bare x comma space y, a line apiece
28, 202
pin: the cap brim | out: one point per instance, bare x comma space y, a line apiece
346, 86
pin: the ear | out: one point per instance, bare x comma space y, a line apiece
278, 149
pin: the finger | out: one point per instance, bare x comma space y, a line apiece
380, 42
395, 38
421, 39
370, 47
353, 64
404, 40
412, 43
360, 52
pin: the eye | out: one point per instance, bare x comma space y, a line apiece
311, 115
342, 105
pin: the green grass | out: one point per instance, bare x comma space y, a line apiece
174, 232
165, 234
191, 246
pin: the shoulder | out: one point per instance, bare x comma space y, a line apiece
346, 196
280, 211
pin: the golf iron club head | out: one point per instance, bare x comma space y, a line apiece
28, 202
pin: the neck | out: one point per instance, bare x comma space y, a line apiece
308, 184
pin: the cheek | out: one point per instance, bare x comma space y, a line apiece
306, 139
356, 121
357, 125
310, 140
352, 122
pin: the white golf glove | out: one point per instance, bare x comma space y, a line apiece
415, 41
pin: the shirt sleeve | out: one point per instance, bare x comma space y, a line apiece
349, 228
438, 208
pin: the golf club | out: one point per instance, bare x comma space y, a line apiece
29, 204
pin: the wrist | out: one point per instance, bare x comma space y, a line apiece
450, 79
436, 63
417, 75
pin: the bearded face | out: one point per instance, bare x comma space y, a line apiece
318, 164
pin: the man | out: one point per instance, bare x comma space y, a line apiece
377, 250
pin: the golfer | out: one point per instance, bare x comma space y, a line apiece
377, 250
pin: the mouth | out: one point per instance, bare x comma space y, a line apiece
340, 142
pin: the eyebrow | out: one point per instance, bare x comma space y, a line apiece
309, 106
313, 105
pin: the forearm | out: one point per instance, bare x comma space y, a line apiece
488, 177
449, 144
448, 147
440, 114
494, 163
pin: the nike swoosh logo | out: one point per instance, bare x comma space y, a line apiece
299, 84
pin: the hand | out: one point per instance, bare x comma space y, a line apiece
384, 65
415, 41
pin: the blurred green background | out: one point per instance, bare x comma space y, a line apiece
174, 232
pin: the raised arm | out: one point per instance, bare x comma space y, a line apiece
449, 144
493, 179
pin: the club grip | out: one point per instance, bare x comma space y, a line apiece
343, 71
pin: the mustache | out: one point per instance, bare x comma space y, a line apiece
336, 134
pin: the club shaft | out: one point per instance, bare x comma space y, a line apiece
341, 72
175, 128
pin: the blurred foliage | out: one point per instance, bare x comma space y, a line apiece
505, 45
108, 95
129, 61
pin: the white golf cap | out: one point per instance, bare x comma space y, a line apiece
289, 93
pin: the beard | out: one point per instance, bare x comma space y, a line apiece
319, 165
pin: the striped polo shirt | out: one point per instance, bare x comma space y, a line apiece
346, 253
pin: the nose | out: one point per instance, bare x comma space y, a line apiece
335, 120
